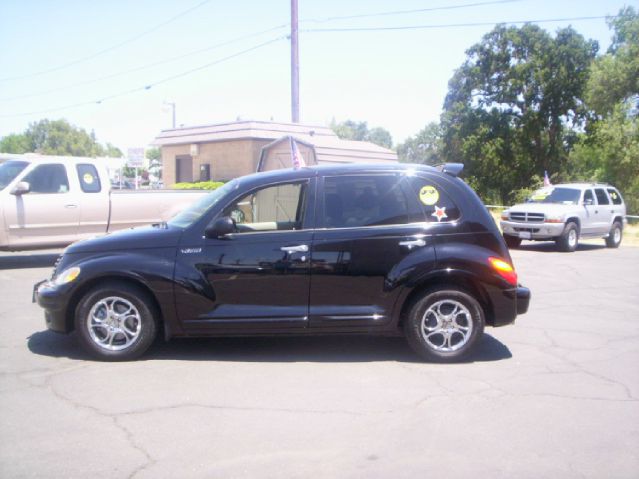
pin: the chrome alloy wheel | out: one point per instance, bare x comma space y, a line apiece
572, 238
617, 235
447, 325
114, 323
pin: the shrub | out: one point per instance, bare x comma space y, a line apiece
200, 185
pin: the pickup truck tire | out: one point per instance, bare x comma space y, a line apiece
115, 322
444, 325
569, 239
512, 241
614, 237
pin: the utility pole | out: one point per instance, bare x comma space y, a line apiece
295, 66
172, 105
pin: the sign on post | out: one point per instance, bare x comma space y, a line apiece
135, 157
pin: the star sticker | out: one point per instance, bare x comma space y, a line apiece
440, 213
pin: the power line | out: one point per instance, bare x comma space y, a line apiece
402, 12
451, 25
108, 49
150, 85
142, 67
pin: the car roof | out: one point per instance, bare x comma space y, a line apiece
328, 170
583, 185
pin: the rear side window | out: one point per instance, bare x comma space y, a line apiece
434, 201
366, 200
615, 196
89, 179
602, 197
48, 179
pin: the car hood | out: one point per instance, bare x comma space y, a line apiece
144, 237
546, 208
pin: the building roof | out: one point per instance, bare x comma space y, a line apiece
328, 146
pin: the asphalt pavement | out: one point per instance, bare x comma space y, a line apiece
554, 395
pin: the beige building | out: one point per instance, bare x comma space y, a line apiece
225, 151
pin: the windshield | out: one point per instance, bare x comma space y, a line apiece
562, 196
9, 170
198, 209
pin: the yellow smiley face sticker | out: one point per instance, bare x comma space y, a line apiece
88, 178
429, 195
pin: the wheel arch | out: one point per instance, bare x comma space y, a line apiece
454, 280
90, 284
574, 219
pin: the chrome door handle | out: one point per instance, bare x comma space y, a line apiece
302, 248
70, 206
418, 243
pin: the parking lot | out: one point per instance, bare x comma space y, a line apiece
555, 395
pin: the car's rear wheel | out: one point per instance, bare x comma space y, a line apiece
615, 236
116, 322
444, 325
569, 239
512, 241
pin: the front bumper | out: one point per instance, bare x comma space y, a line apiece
54, 299
533, 231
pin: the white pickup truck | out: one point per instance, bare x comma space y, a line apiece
50, 201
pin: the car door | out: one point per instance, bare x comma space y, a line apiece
604, 212
257, 278
589, 221
48, 213
367, 233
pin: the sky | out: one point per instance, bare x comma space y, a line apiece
113, 67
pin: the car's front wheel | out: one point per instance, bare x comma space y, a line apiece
116, 322
444, 325
512, 241
569, 239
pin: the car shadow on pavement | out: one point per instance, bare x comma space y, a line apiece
551, 247
270, 349
40, 260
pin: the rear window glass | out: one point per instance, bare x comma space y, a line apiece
89, 179
434, 201
615, 196
367, 200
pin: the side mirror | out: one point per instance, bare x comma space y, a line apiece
21, 188
220, 227
588, 202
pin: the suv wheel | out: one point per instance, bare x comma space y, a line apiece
115, 322
512, 241
569, 239
614, 237
444, 325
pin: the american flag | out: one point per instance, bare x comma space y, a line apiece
296, 157
546, 179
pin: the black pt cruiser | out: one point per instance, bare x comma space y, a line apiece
354, 249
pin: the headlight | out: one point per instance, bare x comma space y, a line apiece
554, 219
504, 215
67, 276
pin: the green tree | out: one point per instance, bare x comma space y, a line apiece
512, 106
425, 147
57, 137
358, 130
609, 150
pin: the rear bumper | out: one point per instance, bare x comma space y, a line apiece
523, 299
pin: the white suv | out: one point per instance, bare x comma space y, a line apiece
564, 213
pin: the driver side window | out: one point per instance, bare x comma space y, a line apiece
273, 208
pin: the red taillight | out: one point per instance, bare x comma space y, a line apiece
504, 270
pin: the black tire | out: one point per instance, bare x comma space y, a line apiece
116, 322
569, 239
512, 242
423, 321
615, 236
